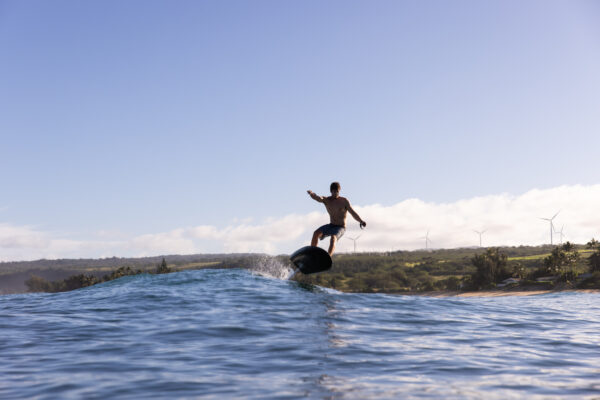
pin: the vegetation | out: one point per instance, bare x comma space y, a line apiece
38, 284
13, 275
562, 262
462, 269
491, 268
394, 272
162, 268
594, 259
592, 282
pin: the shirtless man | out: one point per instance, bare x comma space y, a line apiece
337, 207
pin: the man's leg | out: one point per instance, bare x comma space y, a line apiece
316, 236
332, 244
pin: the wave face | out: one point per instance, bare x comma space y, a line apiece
233, 333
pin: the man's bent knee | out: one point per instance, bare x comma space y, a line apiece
316, 235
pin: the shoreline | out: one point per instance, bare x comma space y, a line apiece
496, 293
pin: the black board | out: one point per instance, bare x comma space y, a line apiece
311, 259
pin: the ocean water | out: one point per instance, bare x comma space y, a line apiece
238, 334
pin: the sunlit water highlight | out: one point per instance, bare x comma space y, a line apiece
232, 333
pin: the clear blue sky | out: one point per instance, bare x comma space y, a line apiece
144, 116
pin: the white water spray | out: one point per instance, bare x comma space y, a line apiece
273, 268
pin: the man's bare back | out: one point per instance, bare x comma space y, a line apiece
338, 207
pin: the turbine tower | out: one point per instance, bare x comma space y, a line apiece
354, 240
551, 225
427, 241
560, 233
480, 234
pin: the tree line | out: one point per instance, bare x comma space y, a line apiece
407, 271
38, 284
452, 270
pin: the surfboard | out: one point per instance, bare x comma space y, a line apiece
311, 259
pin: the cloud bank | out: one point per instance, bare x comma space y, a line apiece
507, 219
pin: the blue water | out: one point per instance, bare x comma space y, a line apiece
236, 334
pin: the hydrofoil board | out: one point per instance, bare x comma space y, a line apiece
311, 259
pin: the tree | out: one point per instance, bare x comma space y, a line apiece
78, 281
594, 259
162, 268
452, 283
37, 284
491, 268
562, 261
518, 271
120, 272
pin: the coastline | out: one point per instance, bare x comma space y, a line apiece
497, 293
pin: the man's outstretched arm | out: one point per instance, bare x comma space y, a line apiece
315, 196
355, 215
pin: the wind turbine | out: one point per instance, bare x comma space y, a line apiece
427, 241
551, 225
561, 233
480, 234
354, 240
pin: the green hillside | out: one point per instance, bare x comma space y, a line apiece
447, 269
395, 272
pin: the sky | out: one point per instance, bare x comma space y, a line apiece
156, 127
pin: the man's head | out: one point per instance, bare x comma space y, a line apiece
335, 189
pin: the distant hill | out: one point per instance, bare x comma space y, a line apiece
112, 262
13, 274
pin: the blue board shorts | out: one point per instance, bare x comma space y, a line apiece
332, 230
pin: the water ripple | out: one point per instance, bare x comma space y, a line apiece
231, 333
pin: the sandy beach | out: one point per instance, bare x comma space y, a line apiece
497, 293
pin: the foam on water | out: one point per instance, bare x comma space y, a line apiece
231, 333
271, 267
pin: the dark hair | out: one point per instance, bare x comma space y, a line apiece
335, 186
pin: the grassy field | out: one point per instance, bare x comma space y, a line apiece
197, 265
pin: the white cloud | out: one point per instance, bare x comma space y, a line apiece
174, 242
507, 219
21, 237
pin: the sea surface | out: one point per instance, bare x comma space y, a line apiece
241, 334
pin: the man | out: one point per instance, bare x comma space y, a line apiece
337, 207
